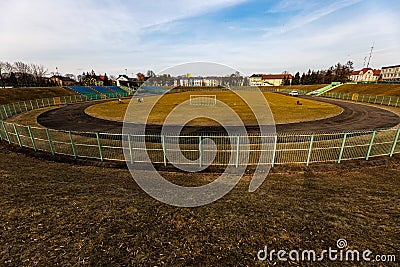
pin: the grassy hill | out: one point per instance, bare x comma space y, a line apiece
10, 95
369, 89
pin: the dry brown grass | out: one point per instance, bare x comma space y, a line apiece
67, 215
284, 108
10, 95
369, 89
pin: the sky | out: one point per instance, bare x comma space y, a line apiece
118, 36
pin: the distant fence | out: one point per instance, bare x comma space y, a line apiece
216, 149
393, 101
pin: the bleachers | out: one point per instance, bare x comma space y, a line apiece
105, 91
83, 90
150, 90
118, 90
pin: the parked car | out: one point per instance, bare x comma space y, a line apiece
294, 93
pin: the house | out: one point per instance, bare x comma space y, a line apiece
62, 81
212, 81
256, 80
276, 79
365, 75
391, 73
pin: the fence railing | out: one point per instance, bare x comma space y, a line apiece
193, 149
393, 101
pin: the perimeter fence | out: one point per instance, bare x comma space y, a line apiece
282, 148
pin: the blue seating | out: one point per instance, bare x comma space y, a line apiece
105, 91
83, 90
151, 90
118, 90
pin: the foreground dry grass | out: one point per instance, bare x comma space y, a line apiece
283, 107
68, 215
369, 89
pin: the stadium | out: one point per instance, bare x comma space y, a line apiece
88, 124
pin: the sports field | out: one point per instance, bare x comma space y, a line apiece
284, 108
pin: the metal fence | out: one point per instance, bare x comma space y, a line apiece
193, 149
393, 101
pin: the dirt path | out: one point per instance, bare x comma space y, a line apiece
354, 117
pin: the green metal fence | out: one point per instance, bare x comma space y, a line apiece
192, 149
393, 101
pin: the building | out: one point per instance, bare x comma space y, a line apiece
270, 79
212, 81
62, 81
256, 80
391, 73
276, 79
365, 75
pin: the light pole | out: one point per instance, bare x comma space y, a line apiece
126, 72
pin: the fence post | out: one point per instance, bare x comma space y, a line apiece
5, 130
371, 143
15, 110
237, 151
395, 142
274, 153
17, 134
130, 148
342, 147
200, 152
376, 98
50, 142
390, 100
164, 150
26, 107
310, 149
32, 138
369, 99
48, 101
5, 111
72, 143
30, 101
99, 145
37, 103
362, 99
383, 100
397, 102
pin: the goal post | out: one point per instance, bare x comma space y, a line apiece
203, 100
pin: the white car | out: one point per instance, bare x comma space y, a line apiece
294, 93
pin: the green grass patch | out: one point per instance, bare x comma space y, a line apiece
369, 89
11, 95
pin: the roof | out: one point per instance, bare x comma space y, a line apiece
277, 76
256, 76
389, 67
364, 70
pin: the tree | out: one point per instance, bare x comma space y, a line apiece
150, 74
296, 79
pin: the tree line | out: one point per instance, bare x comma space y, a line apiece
20, 74
337, 73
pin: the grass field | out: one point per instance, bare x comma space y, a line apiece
10, 95
68, 215
308, 88
369, 89
284, 108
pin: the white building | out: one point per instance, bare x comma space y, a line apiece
391, 73
365, 75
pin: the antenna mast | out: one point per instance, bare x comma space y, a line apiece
370, 54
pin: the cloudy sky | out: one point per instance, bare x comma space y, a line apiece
252, 36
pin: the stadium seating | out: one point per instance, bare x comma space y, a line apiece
105, 91
118, 90
151, 90
86, 91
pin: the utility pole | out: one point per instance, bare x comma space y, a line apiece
370, 54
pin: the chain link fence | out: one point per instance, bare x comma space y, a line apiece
201, 150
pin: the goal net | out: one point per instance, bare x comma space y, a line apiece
203, 100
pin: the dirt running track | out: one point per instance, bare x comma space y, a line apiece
354, 117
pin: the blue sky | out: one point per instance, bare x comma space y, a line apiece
251, 36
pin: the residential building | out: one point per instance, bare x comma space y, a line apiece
62, 81
365, 75
256, 80
390, 73
276, 79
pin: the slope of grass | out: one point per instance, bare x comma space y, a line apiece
307, 88
369, 89
57, 214
10, 95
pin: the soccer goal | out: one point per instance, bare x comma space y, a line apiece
203, 100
